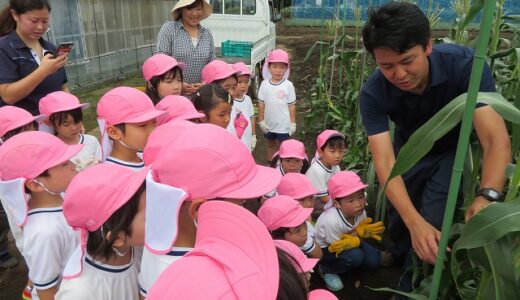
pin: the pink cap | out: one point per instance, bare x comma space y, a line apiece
321, 294
126, 105
305, 264
216, 70
25, 156
92, 197
296, 186
277, 55
12, 117
292, 149
325, 136
159, 64
60, 101
213, 164
344, 183
282, 211
236, 254
177, 108
161, 136
243, 69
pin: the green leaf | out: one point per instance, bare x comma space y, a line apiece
409, 295
311, 49
475, 8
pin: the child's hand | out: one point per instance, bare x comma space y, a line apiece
263, 127
367, 230
253, 142
347, 242
292, 130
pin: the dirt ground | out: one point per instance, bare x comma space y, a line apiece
297, 41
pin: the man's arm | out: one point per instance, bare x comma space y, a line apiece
424, 236
496, 146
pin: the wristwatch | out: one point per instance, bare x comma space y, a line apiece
489, 193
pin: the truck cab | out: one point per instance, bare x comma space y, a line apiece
250, 21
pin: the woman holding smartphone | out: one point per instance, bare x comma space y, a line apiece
29, 68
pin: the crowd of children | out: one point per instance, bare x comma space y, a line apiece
155, 209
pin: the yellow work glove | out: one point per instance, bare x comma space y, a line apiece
347, 242
367, 230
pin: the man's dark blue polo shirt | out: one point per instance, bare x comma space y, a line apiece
17, 61
449, 73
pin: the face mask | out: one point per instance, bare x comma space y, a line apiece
47, 190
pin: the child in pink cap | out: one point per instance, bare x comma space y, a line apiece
215, 103
126, 117
34, 172
214, 165
243, 113
299, 187
340, 230
221, 73
276, 101
14, 120
177, 108
64, 115
291, 158
106, 204
163, 75
285, 218
234, 258
331, 147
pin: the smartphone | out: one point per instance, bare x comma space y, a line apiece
64, 48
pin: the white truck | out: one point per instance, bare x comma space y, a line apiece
250, 21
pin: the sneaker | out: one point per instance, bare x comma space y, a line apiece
387, 259
333, 282
8, 262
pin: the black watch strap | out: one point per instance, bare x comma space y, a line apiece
490, 194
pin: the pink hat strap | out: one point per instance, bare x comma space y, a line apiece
106, 143
161, 226
14, 199
329, 204
74, 265
267, 75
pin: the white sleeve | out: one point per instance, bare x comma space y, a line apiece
309, 244
319, 183
327, 230
250, 107
262, 92
74, 289
291, 94
42, 252
97, 151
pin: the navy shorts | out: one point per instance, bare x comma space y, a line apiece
271, 136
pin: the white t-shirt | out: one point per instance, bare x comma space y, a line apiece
309, 244
245, 106
101, 281
319, 175
331, 224
47, 245
277, 98
152, 265
91, 150
131, 165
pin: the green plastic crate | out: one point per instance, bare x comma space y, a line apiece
236, 48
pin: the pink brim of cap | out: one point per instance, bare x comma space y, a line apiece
345, 192
308, 191
321, 294
296, 220
147, 116
265, 180
165, 68
305, 263
83, 106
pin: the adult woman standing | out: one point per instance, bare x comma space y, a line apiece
187, 40
29, 70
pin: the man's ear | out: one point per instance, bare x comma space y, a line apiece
429, 47
114, 133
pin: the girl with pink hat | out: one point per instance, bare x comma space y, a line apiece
276, 101
64, 116
243, 113
177, 108
291, 158
214, 165
34, 172
163, 75
221, 73
14, 120
300, 188
215, 103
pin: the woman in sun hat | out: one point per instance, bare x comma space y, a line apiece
187, 40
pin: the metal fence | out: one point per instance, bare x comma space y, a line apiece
111, 37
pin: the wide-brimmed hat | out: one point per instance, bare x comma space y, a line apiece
60, 101
282, 211
207, 8
12, 117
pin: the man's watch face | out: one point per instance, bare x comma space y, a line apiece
493, 194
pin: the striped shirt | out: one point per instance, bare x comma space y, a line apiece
175, 41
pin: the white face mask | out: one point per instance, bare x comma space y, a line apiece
47, 190
126, 146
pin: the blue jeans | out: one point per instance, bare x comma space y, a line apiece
364, 256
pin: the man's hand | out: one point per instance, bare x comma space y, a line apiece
425, 240
478, 204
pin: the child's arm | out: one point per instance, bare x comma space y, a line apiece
292, 113
47, 294
316, 252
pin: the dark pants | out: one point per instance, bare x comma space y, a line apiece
427, 184
364, 256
